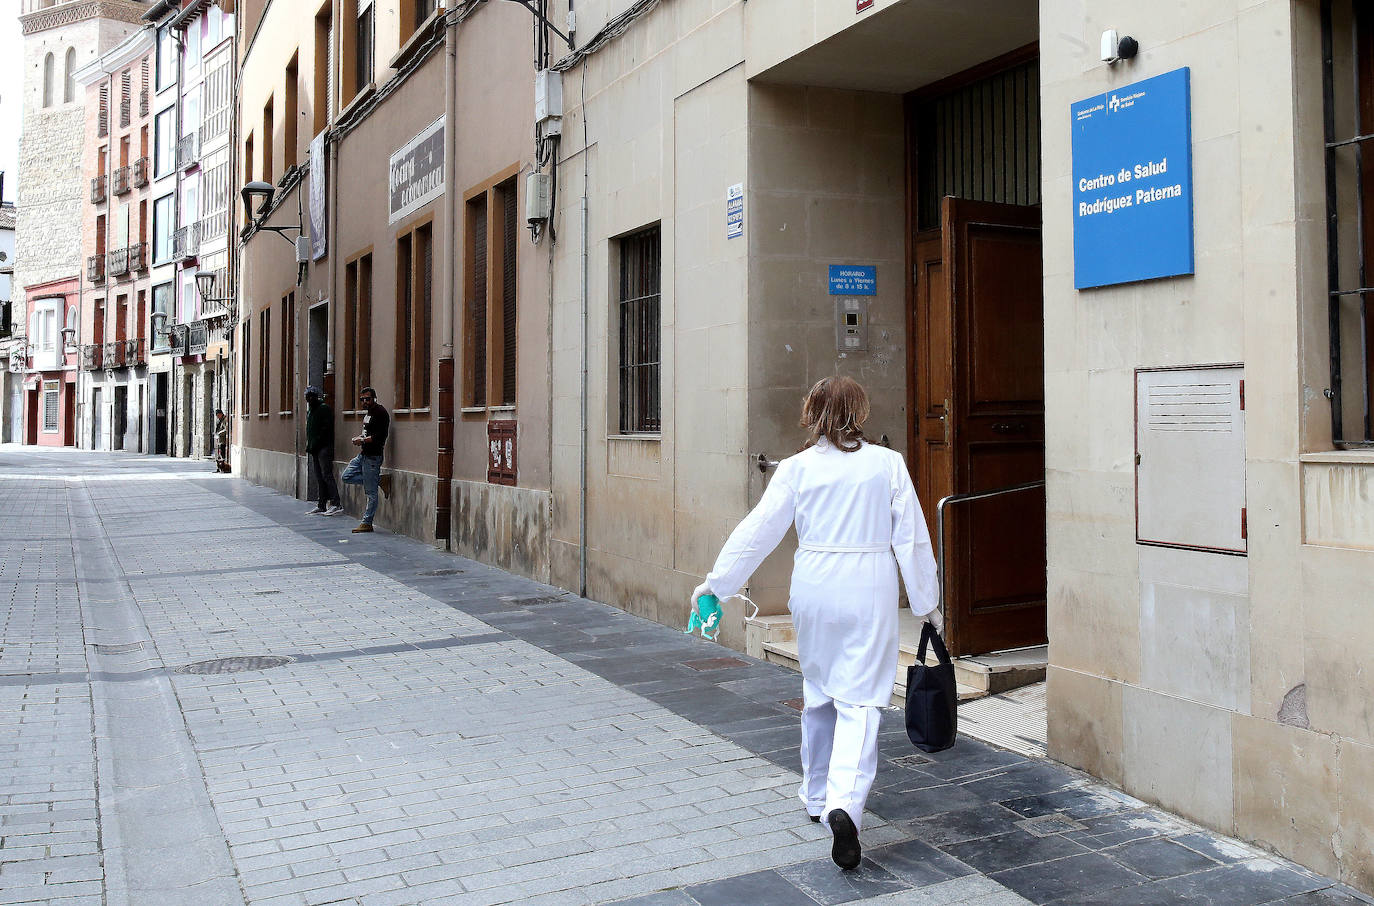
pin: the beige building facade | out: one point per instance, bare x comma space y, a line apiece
747, 197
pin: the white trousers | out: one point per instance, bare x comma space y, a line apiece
839, 754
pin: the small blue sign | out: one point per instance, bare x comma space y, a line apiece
1133, 183
853, 280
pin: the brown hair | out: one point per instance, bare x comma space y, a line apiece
836, 409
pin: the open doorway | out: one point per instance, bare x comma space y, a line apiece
977, 345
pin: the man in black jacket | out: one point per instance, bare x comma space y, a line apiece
366, 468
319, 446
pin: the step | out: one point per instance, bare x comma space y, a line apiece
785, 654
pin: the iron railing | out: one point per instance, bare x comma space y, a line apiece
186, 242
135, 352
140, 172
121, 181
186, 151
95, 269
113, 354
91, 355
198, 338
177, 336
118, 263
138, 256
98, 189
965, 498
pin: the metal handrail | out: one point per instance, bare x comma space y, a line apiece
964, 498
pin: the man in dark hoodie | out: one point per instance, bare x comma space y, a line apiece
366, 468
319, 446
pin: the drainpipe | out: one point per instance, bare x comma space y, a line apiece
444, 465
582, 490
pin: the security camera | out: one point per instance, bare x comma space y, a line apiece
1116, 48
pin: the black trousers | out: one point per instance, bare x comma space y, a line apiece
322, 467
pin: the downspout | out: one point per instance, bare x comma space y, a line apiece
582, 490
443, 509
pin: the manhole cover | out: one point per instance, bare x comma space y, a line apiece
442, 572
535, 601
126, 648
234, 665
1049, 825
912, 761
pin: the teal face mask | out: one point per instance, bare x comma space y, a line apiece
707, 613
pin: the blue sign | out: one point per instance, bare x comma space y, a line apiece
853, 280
1133, 183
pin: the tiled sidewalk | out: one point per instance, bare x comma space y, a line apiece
447, 733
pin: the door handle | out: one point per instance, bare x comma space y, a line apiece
944, 417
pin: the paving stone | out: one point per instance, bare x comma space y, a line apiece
1158, 858
763, 888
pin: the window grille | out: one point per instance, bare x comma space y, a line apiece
50, 406
1348, 100
640, 332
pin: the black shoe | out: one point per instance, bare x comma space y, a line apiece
815, 818
845, 851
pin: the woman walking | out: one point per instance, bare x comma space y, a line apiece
858, 522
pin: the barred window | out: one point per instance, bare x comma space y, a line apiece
414, 314
640, 331
50, 406
1348, 76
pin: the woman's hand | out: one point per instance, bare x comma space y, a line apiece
702, 589
936, 619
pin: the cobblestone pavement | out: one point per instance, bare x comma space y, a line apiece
437, 731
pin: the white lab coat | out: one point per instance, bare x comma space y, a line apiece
858, 522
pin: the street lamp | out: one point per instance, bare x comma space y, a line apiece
260, 190
205, 285
68, 339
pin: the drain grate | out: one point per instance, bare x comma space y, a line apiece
1049, 825
234, 665
442, 572
126, 648
912, 761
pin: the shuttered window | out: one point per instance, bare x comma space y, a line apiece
492, 290
288, 350
125, 98
509, 235
414, 316
475, 325
357, 340
640, 332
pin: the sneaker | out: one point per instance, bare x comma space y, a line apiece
385, 484
845, 851
363, 527
317, 511
335, 510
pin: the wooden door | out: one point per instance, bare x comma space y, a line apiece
980, 413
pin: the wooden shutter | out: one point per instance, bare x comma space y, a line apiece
508, 296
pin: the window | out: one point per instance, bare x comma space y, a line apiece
126, 98
164, 142
219, 101
191, 50
640, 339
103, 120
362, 57
414, 311
50, 407
357, 326
248, 159
288, 348
143, 88
69, 77
98, 323
164, 221
1348, 39
291, 113
413, 15
324, 56
162, 304
246, 359
141, 325
269, 134
48, 75
166, 58
264, 359
121, 318
489, 328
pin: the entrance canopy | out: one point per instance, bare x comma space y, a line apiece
895, 49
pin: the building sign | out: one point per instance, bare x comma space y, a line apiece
734, 211
319, 244
501, 451
853, 280
861, 5
1133, 183
416, 172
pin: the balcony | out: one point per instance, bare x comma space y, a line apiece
186, 152
186, 242
95, 269
91, 355
118, 263
113, 354
177, 336
138, 256
198, 338
98, 189
140, 169
121, 181
135, 352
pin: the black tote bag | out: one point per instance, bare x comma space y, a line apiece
932, 714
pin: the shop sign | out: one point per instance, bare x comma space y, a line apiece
1133, 183
853, 280
415, 175
734, 211
861, 5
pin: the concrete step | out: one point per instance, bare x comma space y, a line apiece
785, 653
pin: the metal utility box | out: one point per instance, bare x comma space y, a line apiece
538, 197
548, 95
1190, 458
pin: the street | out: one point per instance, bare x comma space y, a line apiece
208, 697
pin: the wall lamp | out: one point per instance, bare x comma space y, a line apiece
263, 191
205, 285
68, 339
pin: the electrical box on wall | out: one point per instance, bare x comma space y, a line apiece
1190, 458
851, 325
548, 95
538, 197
